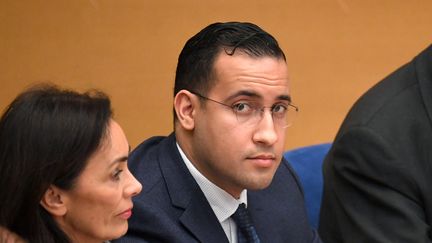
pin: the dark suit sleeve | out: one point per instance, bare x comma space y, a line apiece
371, 193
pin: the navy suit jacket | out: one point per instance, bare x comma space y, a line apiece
172, 207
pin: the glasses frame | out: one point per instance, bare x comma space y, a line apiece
296, 109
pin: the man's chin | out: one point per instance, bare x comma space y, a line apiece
260, 183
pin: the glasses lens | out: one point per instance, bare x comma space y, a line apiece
249, 118
290, 116
281, 120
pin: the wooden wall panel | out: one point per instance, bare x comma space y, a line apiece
336, 50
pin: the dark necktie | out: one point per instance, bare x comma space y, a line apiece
245, 230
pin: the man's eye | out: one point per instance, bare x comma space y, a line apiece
242, 108
279, 109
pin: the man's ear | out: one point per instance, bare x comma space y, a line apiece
53, 201
185, 107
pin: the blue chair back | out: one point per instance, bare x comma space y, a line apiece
307, 162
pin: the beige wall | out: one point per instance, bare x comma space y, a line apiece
336, 50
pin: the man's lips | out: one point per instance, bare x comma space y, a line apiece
270, 156
263, 156
263, 160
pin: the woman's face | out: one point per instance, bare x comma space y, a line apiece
99, 204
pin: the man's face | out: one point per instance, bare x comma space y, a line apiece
234, 153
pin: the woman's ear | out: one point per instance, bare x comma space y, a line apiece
185, 108
53, 201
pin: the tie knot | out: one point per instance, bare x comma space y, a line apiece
241, 217
245, 230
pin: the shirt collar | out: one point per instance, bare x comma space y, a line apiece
222, 203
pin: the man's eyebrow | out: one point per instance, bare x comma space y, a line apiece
244, 93
285, 97
255, 95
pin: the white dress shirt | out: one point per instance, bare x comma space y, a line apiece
222, 203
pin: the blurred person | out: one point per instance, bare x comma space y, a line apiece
9, 237
63, 168
377, 175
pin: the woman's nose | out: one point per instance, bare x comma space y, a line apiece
134, 187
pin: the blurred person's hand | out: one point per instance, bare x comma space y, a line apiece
7, 236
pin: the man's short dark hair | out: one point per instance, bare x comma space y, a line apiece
195, 63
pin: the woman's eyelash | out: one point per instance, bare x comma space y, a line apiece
117, 173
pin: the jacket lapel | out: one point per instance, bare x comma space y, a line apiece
198, 217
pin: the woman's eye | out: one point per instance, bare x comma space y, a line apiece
242, 108
116, 175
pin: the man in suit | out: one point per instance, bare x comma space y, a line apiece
378, 174
232, 106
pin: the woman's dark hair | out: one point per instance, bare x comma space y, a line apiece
46, 138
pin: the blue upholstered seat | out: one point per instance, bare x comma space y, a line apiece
307, 162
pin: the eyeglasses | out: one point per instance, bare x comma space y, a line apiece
251, 113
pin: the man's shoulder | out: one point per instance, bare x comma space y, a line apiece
282, 202
145, 160
150, 149
285, 184
286, 173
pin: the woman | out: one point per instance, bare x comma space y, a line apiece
63, 170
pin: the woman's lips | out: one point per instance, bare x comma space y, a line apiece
126, 214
